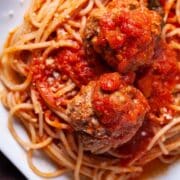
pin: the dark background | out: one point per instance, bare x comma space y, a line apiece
8, 171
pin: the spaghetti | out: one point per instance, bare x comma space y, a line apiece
39, 84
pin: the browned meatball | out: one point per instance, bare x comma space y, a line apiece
124, 34
107, 113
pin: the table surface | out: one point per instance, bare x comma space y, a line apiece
8, 171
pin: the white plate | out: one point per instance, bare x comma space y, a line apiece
11, 13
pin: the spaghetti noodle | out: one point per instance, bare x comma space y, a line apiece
39, 84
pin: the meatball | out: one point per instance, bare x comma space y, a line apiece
107, 113
124, 34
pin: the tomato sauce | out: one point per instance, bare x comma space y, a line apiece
137, 146
158, 82
103, 105
75, 65
51, 73
110, 83
42, 74
128, 35
113, 101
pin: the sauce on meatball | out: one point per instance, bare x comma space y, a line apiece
107, 112
124, 34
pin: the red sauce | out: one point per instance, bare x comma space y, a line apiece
41, 73
137, 146
67, 63
129, 77
103, 105
160, 79
75, 65
162, 2
110, 83
113, 105
128, 34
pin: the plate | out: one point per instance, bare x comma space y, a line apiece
11, 14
